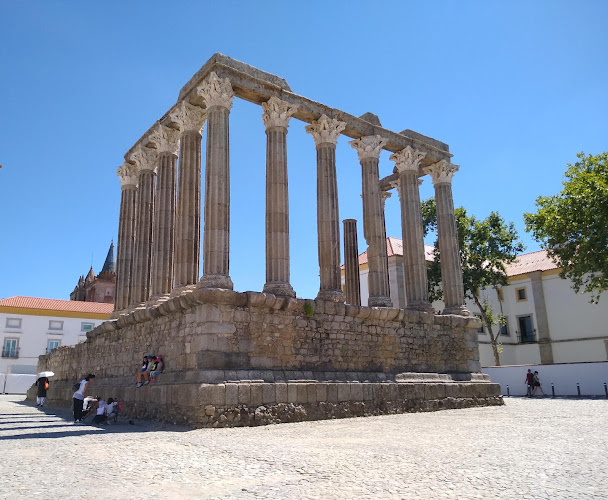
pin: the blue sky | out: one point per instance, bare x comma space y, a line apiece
515, 88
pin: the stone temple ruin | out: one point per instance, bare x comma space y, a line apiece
249, 358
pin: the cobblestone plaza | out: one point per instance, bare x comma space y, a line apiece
541, 448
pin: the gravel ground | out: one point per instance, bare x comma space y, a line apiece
540, 448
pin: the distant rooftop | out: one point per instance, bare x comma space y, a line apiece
57, 305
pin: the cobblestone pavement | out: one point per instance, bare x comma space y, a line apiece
541, 448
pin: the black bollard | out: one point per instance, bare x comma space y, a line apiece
606, 389
509, 393
578, 389
552, 389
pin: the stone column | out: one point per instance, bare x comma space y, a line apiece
163, 233
218, 96
542, 322
190, 120
369, 149
146, 160
352, 283
325, 132
276, 120
414, 264
451, 271
126, 234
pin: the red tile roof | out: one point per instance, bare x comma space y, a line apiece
57, 305
525, 263
530, 262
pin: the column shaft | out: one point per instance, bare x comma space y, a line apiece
140, 287
216, 237
375, 235
163, 240
413, 242
188, 223
451, 271
328, 224
352, 283
125, 250
277, 214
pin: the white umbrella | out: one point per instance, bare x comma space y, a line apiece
46, 374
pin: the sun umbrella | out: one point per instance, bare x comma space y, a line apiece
46, 374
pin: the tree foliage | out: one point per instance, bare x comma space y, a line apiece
573, 225
486, 247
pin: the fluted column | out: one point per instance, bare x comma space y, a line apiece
407, 162
146, 160
451, 270
190, 120
218, 96
163, 233
352, 280
126, 234
369, 149
325, 132
276, 120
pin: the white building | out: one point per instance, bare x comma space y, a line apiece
547, 322
31, 326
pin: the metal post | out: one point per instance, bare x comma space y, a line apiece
606, 389
552, 389
509, 393
578, 388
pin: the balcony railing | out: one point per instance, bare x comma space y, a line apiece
10, 353
527, 337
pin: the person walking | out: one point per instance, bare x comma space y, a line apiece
529, 383
536, 383
78, 396
43, 384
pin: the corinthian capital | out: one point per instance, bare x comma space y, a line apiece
166, 139
127, 173
277, 113
442, 172
145, 158
369, 146
325, 129
408, 159
189, 118
216, 92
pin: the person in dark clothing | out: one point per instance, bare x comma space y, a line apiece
529, 382
43, 384
78, 396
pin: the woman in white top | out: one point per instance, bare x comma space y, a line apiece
78, 396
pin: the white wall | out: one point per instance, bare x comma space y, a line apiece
16, 383
564, 377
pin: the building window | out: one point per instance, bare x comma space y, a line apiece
480, 329
504, 329
55, 325
520, 294
86, 327
10, 348
526, 332
53, 344
13, 322
500, 294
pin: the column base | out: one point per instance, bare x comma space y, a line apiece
215, 281
457, 310
182, 289
157, 299
331, 295
420, 305
279, 289
379, 301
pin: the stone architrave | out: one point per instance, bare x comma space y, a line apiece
325, 132
190, 120
352, 283
451, 270
146, 160
407, 162
163, 232
369, 149
218, 96
126, 234
276, 120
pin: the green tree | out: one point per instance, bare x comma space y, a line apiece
486, 247
573, 225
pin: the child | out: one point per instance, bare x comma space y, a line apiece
156, 368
